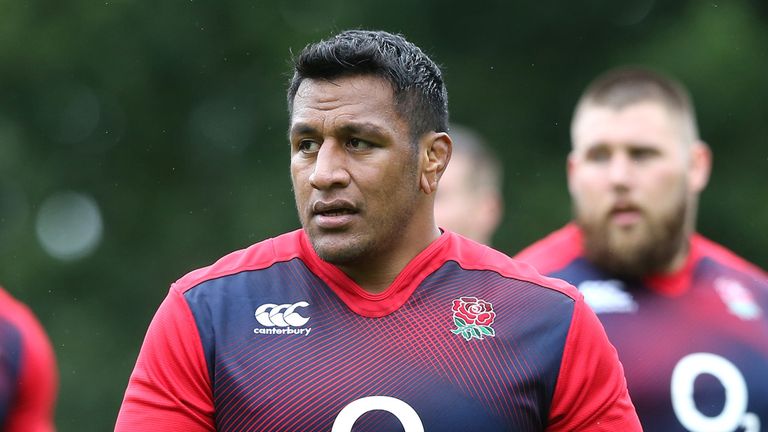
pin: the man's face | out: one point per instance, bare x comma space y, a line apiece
354, 170
628, 176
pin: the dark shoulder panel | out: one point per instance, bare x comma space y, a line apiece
224, 308
258, 256
473, 256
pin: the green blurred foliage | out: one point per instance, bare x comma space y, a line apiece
172, 116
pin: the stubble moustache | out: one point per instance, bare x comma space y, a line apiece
646, 255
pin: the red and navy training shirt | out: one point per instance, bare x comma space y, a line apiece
28, 376
694, 344
272, 338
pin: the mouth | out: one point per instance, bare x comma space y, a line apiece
333, 214
333, 208
625, 214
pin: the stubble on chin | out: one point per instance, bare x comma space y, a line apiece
637, 251
338, 251
334, 247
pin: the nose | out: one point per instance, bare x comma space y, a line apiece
620, 170
330, 168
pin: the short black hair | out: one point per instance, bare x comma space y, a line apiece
417, 83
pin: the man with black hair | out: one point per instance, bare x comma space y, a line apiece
687, 316
369, 318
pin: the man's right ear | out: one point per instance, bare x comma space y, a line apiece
701, 166
435, 151
569, 167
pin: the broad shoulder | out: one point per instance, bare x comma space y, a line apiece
470, 255
258, 256
554, 251
706, 248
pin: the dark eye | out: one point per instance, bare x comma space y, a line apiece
308, 146
358, 144
598, 154
641, 154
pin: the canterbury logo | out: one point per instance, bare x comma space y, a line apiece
284, 315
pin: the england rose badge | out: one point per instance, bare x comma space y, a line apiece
473, 318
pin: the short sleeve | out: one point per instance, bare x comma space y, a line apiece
591, 391
33, 408
169, 389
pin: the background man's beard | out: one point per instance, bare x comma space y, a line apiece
645, 256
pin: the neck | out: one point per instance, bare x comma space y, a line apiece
375, 275
679, 259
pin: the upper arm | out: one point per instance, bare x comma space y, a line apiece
33, 406
169, 388
591, 392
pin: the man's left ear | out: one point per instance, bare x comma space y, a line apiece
435, 152
701, 166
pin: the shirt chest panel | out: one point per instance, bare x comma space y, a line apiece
688, 356
270, 373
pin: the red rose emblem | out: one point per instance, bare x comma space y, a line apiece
473, 311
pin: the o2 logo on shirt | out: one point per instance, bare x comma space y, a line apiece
404, 412
734, 413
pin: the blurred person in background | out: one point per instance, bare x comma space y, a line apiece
688, 317
369, 318
28, 374
469, 200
